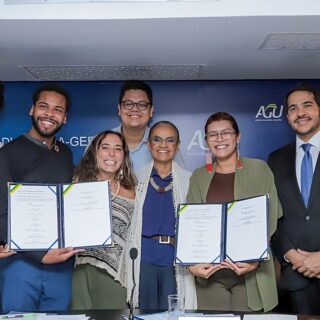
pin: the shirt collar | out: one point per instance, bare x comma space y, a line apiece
117, 129
144, 139
146, 135
314, 141
39, 142
154, 173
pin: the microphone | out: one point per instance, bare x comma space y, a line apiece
133, 253
133, 256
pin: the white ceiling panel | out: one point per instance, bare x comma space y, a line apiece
212, 47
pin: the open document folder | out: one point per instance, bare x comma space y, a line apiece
44, 216
211, 233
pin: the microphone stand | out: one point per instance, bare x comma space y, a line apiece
133, 255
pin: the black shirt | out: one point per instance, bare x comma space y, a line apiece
27, 160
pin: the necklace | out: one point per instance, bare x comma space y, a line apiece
158, 188
117, 191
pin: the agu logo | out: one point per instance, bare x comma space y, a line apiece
271, 112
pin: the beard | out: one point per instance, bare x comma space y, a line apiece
312, 130
44, 132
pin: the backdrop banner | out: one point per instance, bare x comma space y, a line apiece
258, 107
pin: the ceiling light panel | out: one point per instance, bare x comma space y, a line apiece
291, 41
93, 73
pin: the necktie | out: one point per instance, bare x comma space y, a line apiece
306, 173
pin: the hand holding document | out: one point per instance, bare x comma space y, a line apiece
6, 252
204, 270
240, 268
211, 233
59, 255
43, 217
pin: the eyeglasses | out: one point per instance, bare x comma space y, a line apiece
156, 140
141, 105
225, 135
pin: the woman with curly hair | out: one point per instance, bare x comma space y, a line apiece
99, 278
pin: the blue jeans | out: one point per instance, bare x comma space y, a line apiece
26, 286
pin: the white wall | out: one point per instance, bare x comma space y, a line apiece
140, 10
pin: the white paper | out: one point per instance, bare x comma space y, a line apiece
33, 211
211, 317
269, 317
187, 316
247, 237
150, 316
199, 230
87, 214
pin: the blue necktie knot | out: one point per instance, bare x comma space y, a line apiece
306, 173
306, 147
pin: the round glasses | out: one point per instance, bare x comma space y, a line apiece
141, 105
225, 135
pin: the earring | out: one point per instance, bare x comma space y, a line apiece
120, 174
239, 164
209, 161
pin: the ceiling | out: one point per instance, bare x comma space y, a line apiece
205, 40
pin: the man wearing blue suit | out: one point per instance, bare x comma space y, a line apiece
296, 168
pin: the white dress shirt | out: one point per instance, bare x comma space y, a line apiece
314, 152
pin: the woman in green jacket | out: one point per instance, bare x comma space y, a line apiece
233, 286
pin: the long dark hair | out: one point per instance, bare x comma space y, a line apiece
88, 170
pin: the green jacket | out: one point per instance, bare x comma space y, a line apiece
255, 178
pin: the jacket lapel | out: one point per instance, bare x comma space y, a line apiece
292, 171
206, 181
315, 187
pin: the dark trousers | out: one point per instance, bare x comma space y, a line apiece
156, 283
307, 300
